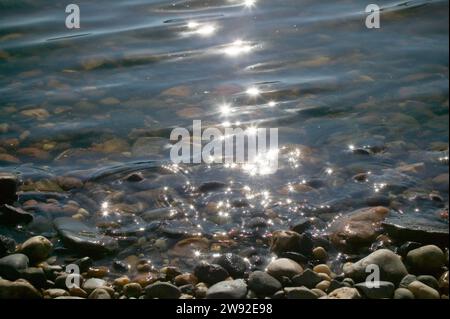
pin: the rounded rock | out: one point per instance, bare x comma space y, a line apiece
162, 290
284, 267
37, 248
403, 293
132, 290
263, 284
233, 289
426, 260
422, 291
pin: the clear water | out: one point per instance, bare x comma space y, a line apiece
107, 96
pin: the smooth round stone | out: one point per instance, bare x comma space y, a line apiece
78, 292
323, 285
20, 289
319, 292
200, 290
121, 281
35, 276
390, 264
426, 260
100, 293
320, 253
210, 273
430, 281
422, 291
55, 293
162, 290
93, 283
322, 269
308, 279
403, 293
235, 265
404, 283
12, 265
263, 284
284, 267
37, 248
7, 245
345, 293
132, 290
379, 290
300, 293
233, 289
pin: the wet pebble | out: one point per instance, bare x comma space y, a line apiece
403, 293
12, 265
55, 292
284, 267
233, 289
376, 290
7, 245
162, 290
308, 278
345, 293
37, 248
426, 260
390, 264
93, 283
300, 293
290, 241
20, 289
422, 291
234, 264
99, 293
210, 273
263, 284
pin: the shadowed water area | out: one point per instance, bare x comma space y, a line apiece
86, 116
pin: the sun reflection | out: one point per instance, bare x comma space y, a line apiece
272, 104
206, 29
253, 91
237, 48
226, 109
249, 3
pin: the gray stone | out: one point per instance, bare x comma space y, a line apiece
162, 290
93, 283
380, 290
403, 293
99, 293
284, 267
300, 293
7, 245
235, 289
132, 290
308, 279
55, 293
210, 273
12, 265
263, 284
426, 260
391, 267
80, 237
36, 276
10, 215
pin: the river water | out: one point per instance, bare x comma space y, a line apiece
362, 117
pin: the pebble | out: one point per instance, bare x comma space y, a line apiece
299, 293
200, 290
404, 283
422, 291
284, 267
20, 289
12, 265
320, 254
162, 290
78, 292
235, 265
308, 279
289, 241
186, 279
132, 290
37, 248
320, 293
100, 293
35, 276
403, 293
10, 215
358, 229
376, 290
263, 284
426, 260
430, 281
323, 285
98, 272
210, 273
390, 264
55, 292
121, 281
8, 188
345, 293
39, 113
93, 283
80, 237
233, 289
322, 269
7, 245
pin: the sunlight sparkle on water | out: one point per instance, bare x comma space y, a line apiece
253, 91
226, 109
249, 3
237, 48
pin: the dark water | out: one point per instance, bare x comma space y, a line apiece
99, 103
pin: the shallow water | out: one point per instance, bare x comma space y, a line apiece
99, 103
